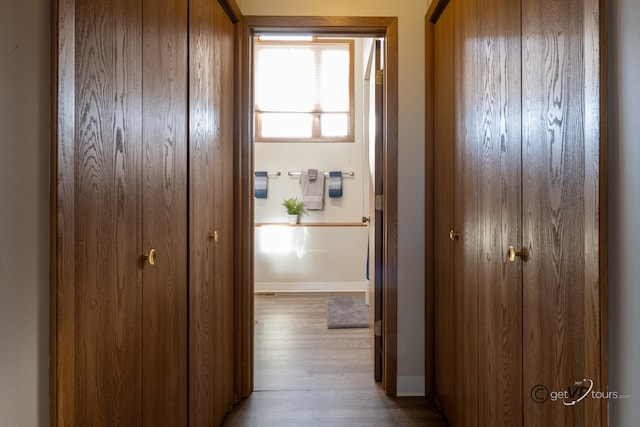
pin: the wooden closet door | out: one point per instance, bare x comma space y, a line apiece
98, 276
444, 139
211, 188
478, 294
120, 349
164, 212
499, 214
223, 210
563, 285
456, 205
202, 121
468, 116
527, 174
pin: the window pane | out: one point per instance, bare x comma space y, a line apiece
303, 90
334, 125
334, 74
281, 125
285, 79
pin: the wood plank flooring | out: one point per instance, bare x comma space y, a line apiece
308, 375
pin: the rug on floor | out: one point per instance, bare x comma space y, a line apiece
347, 312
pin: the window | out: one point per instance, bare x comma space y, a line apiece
304, 90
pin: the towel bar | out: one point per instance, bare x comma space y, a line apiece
326, 174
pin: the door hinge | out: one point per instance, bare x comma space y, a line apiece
377, 328
379, 202
379, 77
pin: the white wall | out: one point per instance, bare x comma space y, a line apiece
24, 213
291, 156
624, 210
310, 259
411, 14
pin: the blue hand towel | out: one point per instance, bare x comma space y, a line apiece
335, 184
261, 184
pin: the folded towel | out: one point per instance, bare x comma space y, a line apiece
335, 184
312, 191
312, 174
261, 183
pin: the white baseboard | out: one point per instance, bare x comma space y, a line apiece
310, 286
410, 386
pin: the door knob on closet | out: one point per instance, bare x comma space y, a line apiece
214, 236
453, 235
512, 254
150, 257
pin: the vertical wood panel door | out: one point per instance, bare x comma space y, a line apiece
376, 179
100, 347
465, 212
211, 187
201, 249
120, 338
223, 213
517, 165
499, 213
563, 287
444, 149
164, 212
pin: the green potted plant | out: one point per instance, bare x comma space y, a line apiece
294, 208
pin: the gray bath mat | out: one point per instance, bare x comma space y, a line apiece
347, 312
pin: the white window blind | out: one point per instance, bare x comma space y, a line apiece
304, 90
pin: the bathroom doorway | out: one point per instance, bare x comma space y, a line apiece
385, 30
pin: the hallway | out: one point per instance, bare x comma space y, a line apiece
308, 375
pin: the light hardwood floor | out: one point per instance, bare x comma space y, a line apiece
308, 375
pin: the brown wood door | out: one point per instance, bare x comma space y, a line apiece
498, 213
477, 211
455, 217
563, 288
99, 270
223, 212
376, 232
211, 211
517, 142
164, 212
465, 212
444, 149
120, 322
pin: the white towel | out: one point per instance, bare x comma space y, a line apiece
312, 191
312, 174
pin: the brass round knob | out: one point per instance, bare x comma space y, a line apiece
453, 235
512, 253
150, 257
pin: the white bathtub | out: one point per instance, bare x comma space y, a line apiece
314, 258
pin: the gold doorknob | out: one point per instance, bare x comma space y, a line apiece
453, 235
512, 253
215, 236
151, 257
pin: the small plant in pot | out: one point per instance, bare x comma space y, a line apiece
294, 208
